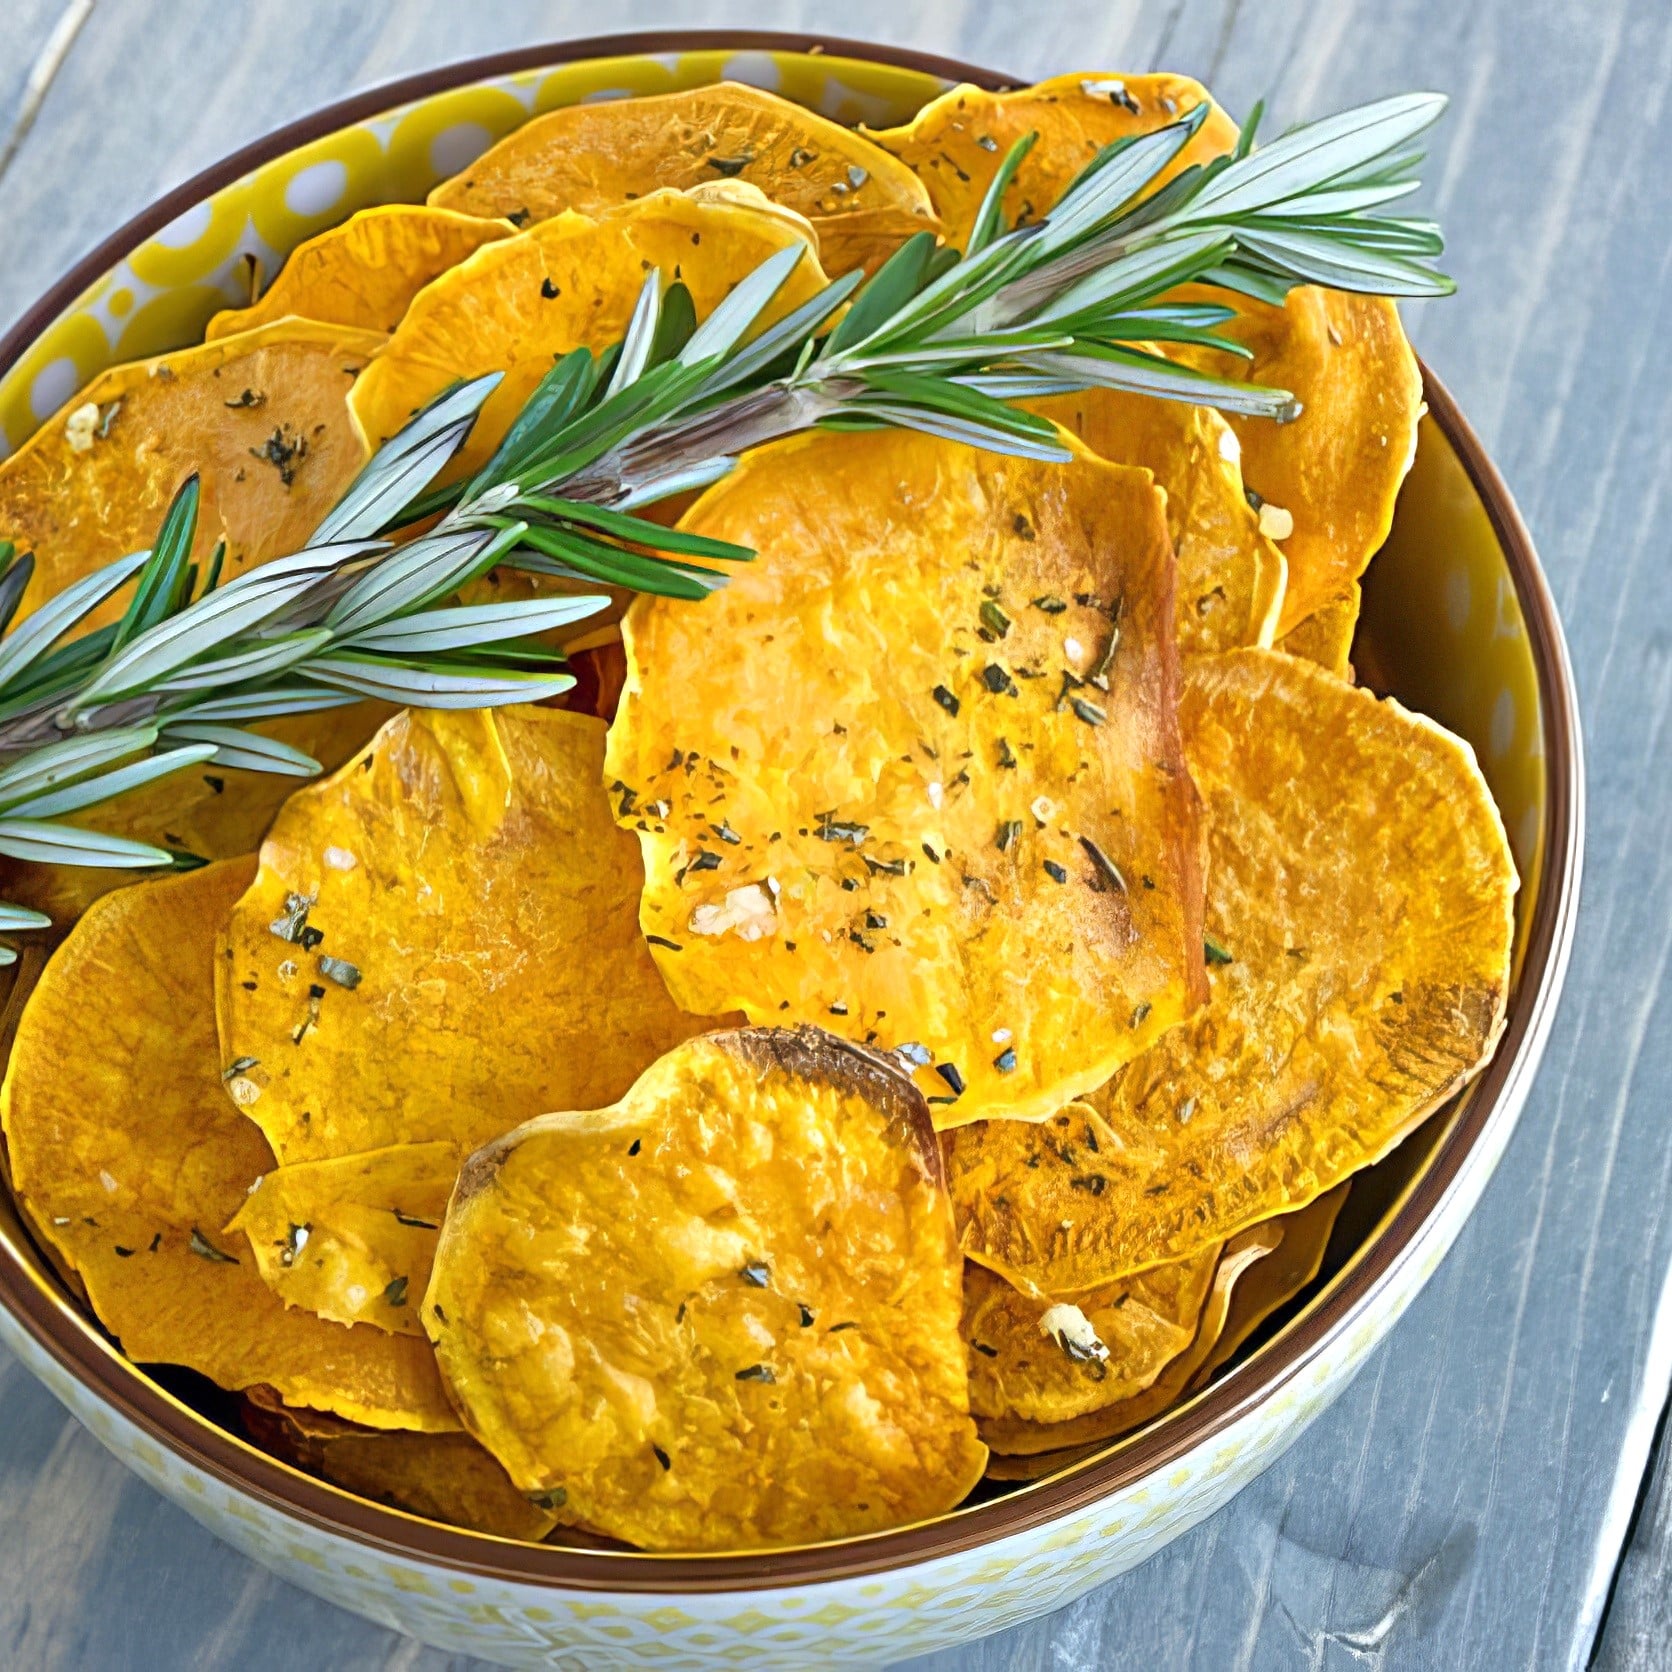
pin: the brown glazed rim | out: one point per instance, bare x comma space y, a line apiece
73, 1342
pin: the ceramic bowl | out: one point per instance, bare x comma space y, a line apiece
1457, 622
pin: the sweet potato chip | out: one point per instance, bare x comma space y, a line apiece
131, 1159
1230, 576
366, 271
443, 1477
723, 1313
1334, 471
956, 143
1015, 1436
1046, 1361
569, 282
862, 202
936, 800
456, 907
1326, 636
262, 416
1359, 929
1275, 1280
211, 812
352, 1238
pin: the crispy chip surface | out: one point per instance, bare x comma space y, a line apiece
862, 202
1336, 469
906, 809
366, 271
1017, 1368
723, 1313
352, 1238
213, 812
1015, 1436
1359, 927
1326, 636
443, 1477
1230, 576
480, 944
1274, 1281
572, 281
956, 143
131, 1158
261, 416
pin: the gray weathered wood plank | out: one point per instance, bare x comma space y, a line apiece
1465, 1502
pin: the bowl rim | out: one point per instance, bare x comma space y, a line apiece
79, 1349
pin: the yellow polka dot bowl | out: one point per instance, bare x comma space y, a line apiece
1457, 621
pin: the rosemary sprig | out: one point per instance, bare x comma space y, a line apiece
938, 340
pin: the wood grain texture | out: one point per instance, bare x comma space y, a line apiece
1466, 1502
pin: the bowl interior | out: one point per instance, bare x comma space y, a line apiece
1443, 626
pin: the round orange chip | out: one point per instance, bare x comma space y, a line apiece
261, 416
352, 1238
1327, 480
442, 1477
1358, 939
457, 907
722, 1314
1230, 576
521, 302
936, 802
862, 202
956, 143
1047, 1361
366, 271
131, 1159
1049, 1443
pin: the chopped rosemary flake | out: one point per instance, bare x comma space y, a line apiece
731, 167
310, 938
1213, 952
1007, 755
1005, 1061
934, 857
661, 1456
1087, 711
414, 1221
946, 699
1070, 682
201, 1246
850, 884
294, 919
994, 619
836, 1329
875, 920
806, 1314
708, 860
239, 1065
1139, 1013
1008, 832
884, 867
724, 832
949, 1073
1106, 867
634, 1147
1093, 1184
395, 1292
838, 1009
756, 1373
550, 1498
835, 830
662, 940
985, 1351
1055, 871
121, 1252
757, 1273
1050, 604
340, 971
998, 681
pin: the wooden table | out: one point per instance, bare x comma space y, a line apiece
1470, 1501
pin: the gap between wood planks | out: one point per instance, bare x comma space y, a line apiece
42, 73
